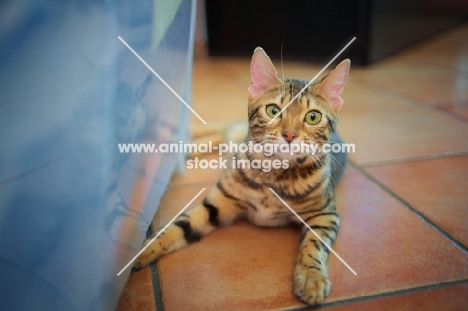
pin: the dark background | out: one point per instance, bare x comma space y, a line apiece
316, 30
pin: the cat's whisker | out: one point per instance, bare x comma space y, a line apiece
282, 71
336, 162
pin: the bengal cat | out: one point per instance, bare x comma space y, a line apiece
307, 184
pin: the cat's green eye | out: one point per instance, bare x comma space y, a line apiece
313, 117
272, 110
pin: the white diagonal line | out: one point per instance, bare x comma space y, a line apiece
162, 80
311, 81
312, 230
161, 231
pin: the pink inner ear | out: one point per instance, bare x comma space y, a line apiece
336, 103
262, 73
255, 91
332, 86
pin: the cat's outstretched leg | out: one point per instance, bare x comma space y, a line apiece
311, 282
215, 211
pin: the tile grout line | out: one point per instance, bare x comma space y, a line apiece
450, 114
157, 293
160, 232
381, 88
443, 103
382, 295
154, 274
462, 246
434, 156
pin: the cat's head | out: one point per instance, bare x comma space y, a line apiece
310, 118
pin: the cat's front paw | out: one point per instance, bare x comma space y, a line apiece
310, 285
150, 254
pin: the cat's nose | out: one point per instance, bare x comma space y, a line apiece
289, 136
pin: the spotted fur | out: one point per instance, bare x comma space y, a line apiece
307, 184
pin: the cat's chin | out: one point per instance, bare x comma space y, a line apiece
290, 157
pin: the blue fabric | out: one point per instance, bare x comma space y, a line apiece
70, 92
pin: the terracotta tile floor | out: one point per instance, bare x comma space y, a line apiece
403, 200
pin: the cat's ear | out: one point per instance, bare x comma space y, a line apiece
332, 85
262, 73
